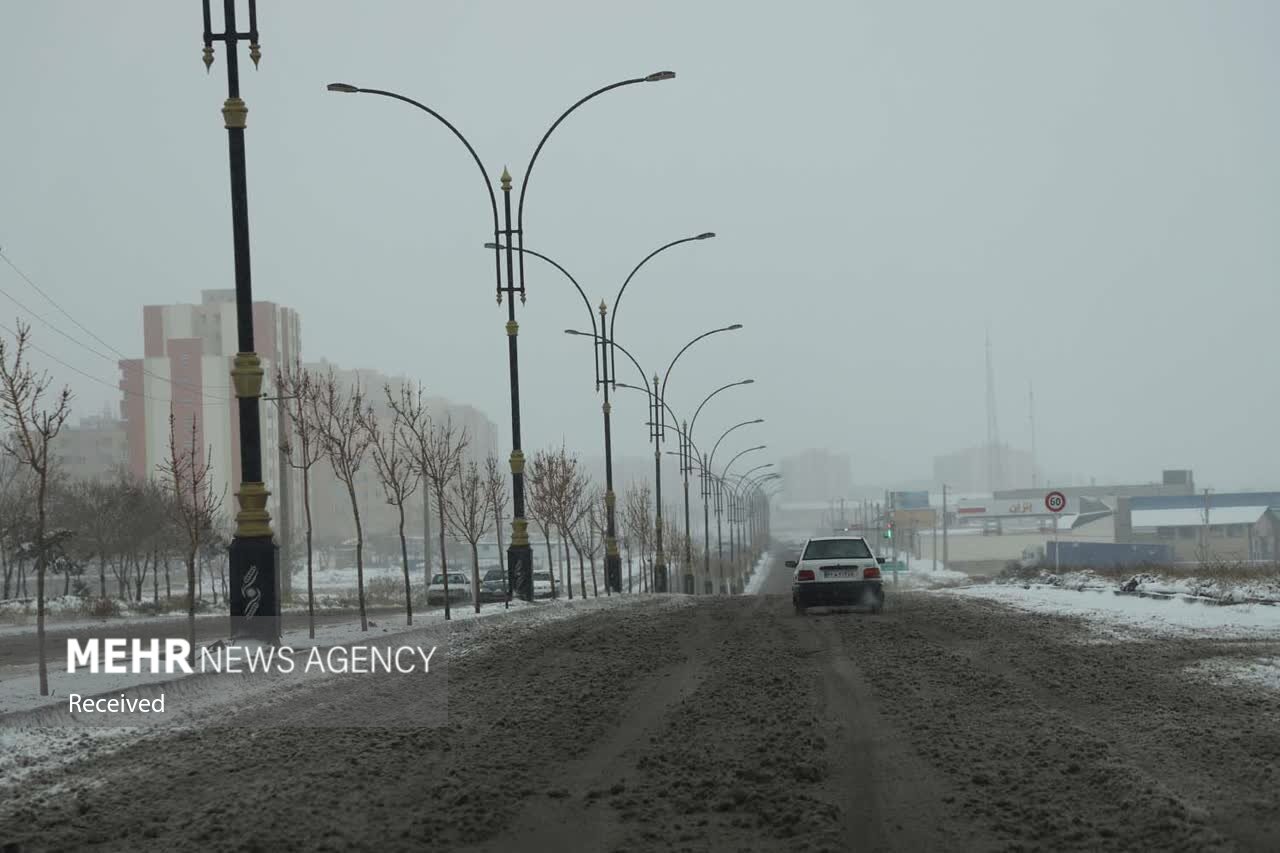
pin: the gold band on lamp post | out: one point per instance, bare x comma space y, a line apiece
517, 462
519, 532
234, 113
246, 375
253, 518
512, 327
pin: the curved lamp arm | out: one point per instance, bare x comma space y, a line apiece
484, 173
706, 235
528, 170
712, 458
663, 392
712, 394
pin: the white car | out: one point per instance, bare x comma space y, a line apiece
459, 588
542, 587
836, 570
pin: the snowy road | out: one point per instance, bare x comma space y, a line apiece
947, 722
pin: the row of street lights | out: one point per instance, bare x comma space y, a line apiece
254, 573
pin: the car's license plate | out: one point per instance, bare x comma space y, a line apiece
840, 573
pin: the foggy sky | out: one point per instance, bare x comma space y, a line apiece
1095, 182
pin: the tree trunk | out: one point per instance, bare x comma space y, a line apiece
475, 576
628, 572
444, 560
102, 575
502, 557
40, 565
355, 515
168, 584
404, 561
568, 564
311, 598
155, 580
191, 600
551, 563
582, 571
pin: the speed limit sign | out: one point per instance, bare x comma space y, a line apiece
1055, 501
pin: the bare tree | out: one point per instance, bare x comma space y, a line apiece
338, 418
469, 511
540, 503
302, 448
188, 478
31, 420
639, 524
436, 451
595, 535
397, 474
496, 488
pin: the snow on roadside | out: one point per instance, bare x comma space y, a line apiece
1264, 672
36, 748
1134, 615
761, 571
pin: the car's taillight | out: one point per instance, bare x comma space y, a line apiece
871, 573
804, 575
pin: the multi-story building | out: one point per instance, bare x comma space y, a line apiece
969, 470
97, 448
185, 374
815, 475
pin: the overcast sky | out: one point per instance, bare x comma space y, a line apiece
1096, 182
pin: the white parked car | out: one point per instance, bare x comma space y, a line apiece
542, 587
459, 588
836, 570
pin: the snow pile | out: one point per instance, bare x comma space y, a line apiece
758, 574
1134, 614
1221, 585
1264, 672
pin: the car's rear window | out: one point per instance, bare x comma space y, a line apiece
836, 549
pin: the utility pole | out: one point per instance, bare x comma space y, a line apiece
945, 561
1031, 398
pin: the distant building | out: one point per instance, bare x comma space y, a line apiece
968, 470
97, 448
188, 353
815, 475
331, 505
1224, 527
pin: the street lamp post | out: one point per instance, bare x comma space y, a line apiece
600, 346
712, 489
732, 498
519, 552
255, 581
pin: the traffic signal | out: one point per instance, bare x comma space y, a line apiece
888, 532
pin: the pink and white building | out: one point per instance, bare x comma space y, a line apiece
186, 368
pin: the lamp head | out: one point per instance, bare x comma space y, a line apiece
705, 235
735, 327
660, 75
342, 87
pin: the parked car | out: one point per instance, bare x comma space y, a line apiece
542, 586
493, 585
459, 588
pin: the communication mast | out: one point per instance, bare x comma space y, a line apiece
993, 428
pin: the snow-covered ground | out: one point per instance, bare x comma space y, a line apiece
19, 686
1141, 616
37, 744
758, 574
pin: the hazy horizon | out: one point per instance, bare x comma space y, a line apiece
1092, 183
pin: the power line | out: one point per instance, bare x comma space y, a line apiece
89, 376
87, 331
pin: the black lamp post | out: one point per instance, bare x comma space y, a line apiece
255, 581
710, 489
660, 560
733, 503
656, 421
519, 552
604, 377
684, 467
740, 493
